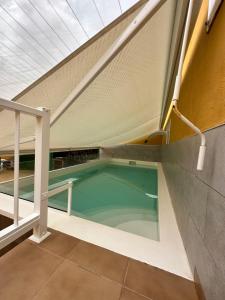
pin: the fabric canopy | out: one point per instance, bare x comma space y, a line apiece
122, 103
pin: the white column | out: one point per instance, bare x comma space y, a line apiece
16, 167
70, 197
41, 174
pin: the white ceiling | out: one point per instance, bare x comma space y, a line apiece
35, 35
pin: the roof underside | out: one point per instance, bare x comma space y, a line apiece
123, 103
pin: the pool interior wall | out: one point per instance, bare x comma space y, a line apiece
116, 195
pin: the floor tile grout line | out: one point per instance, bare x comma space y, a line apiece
79, 266
126, 271
46, 250
47, 281
126, 287
67, 258
50, 251
121, 290
137, 293
101, 247
33, 244
93, 272
78, 243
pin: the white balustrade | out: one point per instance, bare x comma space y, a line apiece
38, 219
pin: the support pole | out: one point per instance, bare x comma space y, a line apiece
16, 167
41, 175
70, 197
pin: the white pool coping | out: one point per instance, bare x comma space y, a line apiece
168, 253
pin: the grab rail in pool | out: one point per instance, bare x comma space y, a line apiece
67, 185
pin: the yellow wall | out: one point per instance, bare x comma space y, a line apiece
202, 97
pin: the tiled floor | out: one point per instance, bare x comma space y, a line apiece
63, 267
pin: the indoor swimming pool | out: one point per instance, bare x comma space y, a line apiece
122, 196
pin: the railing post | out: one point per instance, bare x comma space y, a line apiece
16, 167
70, 197
41, 174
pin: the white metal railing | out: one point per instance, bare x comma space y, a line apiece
38, 219
68, 185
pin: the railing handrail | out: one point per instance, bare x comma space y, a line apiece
11, 105
12, 232
68, 185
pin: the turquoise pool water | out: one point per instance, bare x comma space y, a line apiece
125, 197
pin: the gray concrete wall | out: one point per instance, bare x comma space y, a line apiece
199, 203
198, 199
135, 152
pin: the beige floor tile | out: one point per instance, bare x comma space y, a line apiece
59, 243
72, 282
129, 295
23, 270
158, 284
100, 260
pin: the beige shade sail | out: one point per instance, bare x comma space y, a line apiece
36, 35
123, 103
